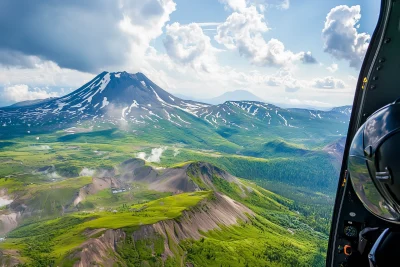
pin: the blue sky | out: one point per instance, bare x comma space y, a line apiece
301, 53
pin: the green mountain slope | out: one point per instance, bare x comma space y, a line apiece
227, 214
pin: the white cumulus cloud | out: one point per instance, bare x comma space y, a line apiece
187, 44
242, 31
262, 4
284, 77
341, 37
22, 92
44, 72
285, 4
235, 4
333, 68
328, 83
144, 20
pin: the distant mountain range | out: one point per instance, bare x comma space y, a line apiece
237, 95
132, 101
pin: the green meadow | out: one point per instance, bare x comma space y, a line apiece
45, 175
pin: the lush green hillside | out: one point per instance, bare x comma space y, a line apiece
61, 187
259, 243
263, 239
50, 241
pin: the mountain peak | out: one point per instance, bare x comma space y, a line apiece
131, 88
141, 75
236, 95
118, 74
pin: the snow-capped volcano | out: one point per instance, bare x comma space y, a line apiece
122, 89
108, 97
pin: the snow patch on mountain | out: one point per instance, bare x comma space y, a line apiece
104, 103
283, 118
104, 82
133, 105
123, 112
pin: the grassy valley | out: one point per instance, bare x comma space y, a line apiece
44, 179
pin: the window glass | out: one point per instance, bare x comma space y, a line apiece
174, 132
